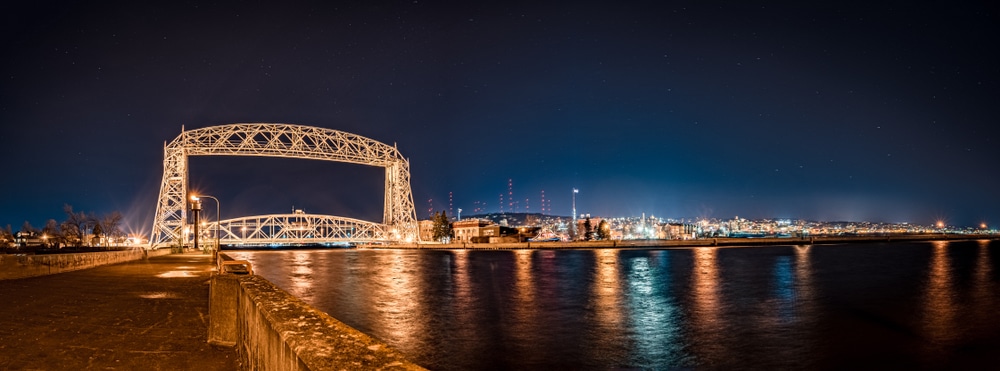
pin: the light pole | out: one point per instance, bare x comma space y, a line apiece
196, 210
218, 217
575, 191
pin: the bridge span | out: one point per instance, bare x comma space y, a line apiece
296, 229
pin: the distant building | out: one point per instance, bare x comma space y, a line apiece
28, 239
679, 231
502, 234
467, 230
426, 228
482, 231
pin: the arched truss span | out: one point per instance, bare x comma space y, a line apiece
298, 229
286, 141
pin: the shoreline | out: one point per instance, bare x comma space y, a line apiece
681, 244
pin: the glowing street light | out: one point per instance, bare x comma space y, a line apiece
575, 191
218, 217
196, 210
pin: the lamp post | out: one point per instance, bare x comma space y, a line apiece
196, 210
575, 191
218, 218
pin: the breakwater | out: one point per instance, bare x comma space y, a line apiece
273, 330
701, 242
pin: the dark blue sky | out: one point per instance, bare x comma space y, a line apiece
870, 111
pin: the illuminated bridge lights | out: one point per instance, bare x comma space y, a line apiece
300, 228
284, 141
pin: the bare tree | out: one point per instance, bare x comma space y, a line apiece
110, 225
96, 236
6, 237
27, 228
51, 233
76, 226
70, 233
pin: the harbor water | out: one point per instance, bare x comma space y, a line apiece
913, 304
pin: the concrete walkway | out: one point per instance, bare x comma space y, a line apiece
143, 315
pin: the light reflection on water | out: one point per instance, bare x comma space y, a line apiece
606, 291
524, 311
767, 307
939, 309
302, 276
708, 326
398, 309
654, 314
983, 284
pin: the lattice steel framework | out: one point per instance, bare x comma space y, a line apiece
297, 229
287, 141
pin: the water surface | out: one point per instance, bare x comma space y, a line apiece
930, 304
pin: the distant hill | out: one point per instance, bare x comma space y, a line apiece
512, 218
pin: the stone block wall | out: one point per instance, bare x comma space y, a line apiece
23, 266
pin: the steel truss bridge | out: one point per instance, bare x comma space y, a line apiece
297, 228
170, 224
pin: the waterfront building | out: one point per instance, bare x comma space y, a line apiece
468, 229
426, 230
498, 234
680, 231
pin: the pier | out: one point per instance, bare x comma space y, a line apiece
147, 314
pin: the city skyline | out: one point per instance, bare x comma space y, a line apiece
847, 112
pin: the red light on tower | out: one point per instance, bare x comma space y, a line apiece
510, 194
543, 201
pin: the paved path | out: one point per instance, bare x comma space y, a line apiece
143, 315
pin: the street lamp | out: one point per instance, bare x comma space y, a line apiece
575, 191
196, 210
218, 219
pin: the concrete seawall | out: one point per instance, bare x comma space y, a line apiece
23, 266
273, 330
731, 242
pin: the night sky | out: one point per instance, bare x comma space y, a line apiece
883, 112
